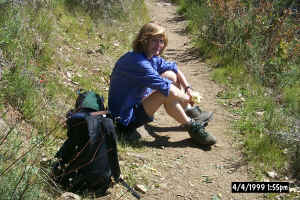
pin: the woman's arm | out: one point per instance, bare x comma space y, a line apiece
186, 86
182, 80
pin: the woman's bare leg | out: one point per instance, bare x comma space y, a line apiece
171, 103
173, 77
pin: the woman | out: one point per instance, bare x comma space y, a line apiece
142, 81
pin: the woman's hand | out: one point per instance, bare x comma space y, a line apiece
188, 91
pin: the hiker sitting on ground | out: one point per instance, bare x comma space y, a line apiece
142, 81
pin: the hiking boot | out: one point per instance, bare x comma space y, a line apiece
198, 134
198, 115
133, 136
129, 135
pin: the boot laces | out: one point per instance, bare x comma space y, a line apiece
197, 127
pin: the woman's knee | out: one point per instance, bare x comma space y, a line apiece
170, 75
175, 94
153, 102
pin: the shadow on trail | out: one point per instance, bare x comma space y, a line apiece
175, 20
186, 55
163, 141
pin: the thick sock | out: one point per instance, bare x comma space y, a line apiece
188, 107
188, 123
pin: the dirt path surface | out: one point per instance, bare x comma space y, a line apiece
187, 171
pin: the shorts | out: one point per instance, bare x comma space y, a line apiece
140, 118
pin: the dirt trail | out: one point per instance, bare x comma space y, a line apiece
187, 171
169, 165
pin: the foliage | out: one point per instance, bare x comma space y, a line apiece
20, 92
260, 34
105, 10
253, 46
48, 50
19, 172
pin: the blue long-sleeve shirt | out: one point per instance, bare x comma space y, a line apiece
133, 77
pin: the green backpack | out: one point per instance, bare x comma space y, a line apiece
89, 101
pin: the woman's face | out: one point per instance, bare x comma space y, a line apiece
155, 45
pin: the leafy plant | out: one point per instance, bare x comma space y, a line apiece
252, 46
45, 47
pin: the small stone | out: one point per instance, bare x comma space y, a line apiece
69, 196
260, 113
218, 145
122, 163
116, 44
141, 188
294, 190
69, 75
272, 174
44, 159
163, 185
91, 51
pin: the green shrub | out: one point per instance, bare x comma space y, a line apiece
20, 92
253, 47
291, 98
19, 172
45, 45
231, 74
260, 35
267, 150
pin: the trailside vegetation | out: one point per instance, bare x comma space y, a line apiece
48, 50
254, 49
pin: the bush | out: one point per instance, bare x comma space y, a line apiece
105, 10
260, 34
50, 48
291, 98
253, 48
19, 169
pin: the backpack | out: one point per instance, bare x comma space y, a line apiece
88, 158
89, 101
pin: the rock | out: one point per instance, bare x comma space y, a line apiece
272, 174
69, 75
69, 196
141, 188
163, 185
266, 180
116, 44
90, 51
260, 113
294, 190
122, 163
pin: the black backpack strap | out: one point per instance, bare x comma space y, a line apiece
93, 123
92, 143
111, 141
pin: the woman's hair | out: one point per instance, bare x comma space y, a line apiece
147, 32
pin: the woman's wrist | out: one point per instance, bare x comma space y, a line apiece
186, 88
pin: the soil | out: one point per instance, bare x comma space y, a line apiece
179, 168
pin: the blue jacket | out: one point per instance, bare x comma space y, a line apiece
133, 77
